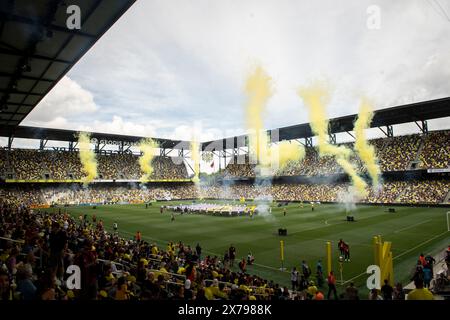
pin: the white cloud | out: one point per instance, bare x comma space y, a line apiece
67, 99
166, 66
118, 126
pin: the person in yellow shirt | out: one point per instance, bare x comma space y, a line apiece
154, 250
312, 290
122, 292
419, 293
209, 294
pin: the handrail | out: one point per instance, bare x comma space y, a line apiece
9, 239
167, 272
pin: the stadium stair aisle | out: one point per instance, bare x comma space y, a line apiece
438, 268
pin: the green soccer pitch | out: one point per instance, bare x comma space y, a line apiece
412, 230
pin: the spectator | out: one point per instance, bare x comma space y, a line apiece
331, 280
387, 290
373, 295
294, 278
419, 293
351, 293
398, 293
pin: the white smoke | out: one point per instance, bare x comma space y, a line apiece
263, 206
348, 199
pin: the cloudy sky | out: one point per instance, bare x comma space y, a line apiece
168, 66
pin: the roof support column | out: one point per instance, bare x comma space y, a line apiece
308, 142
42, 144
72, 145
423, 126
332, 138
10, 141
389, 131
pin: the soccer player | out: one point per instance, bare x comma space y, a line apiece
284, 212
341, 244
346, 252
172, 218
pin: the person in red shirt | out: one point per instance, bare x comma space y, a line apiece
346, 252
138, 236
422, 259
319, 296
243, 265
331, 285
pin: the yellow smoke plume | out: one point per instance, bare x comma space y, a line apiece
366, 151
258, 90
358, 182
147, 148
87, 157
195, 156
315, 99
286, 152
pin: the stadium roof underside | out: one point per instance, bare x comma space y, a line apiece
416, 112
37, 48
72, 136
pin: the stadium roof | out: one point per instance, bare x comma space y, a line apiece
37, 48
71, 135
420, 111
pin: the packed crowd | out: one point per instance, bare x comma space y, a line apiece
33, 266
24, 164
410, 192
424, 191
37, 247
397, 152
436, 150
393, 154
